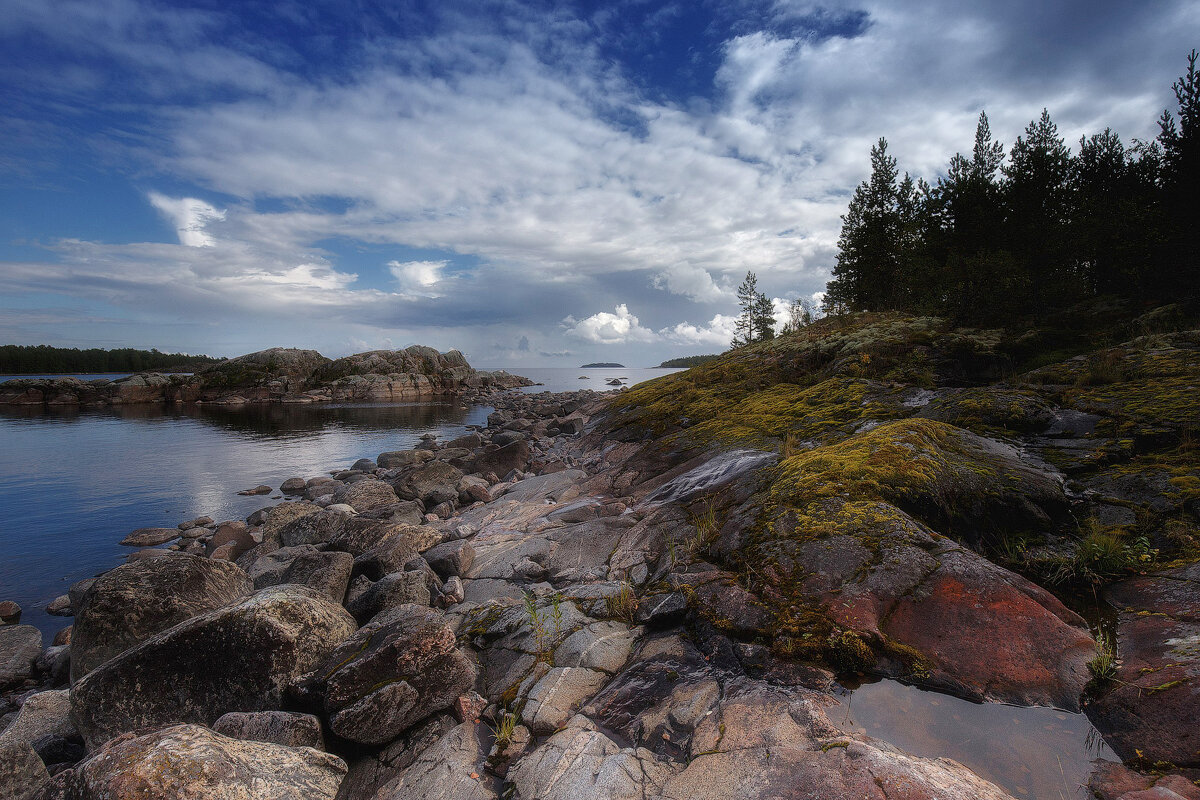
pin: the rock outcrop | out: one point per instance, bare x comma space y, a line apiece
278, 374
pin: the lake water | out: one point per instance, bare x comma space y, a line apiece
570, 379
73, 483
1034, 753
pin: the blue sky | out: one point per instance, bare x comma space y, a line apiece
531, 182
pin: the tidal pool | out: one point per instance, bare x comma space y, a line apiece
1035, 753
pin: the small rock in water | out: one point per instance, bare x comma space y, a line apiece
60, 606
198, 522
293, 486
149, 537
260, 489
10, 612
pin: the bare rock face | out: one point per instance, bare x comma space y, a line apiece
398, 669
189, 762
237, 658
451, 769
1152, 709
133, 602
277, 727
22, 773
258, 369
20, 645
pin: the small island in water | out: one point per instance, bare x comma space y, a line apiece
603, 365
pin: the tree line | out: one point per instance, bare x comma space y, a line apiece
1017, 236
34, 359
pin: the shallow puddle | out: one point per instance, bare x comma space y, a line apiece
1036, 753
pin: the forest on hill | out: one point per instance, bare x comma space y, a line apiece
37, 359
1007, 239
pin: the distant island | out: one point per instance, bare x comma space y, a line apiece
37, 359
687, 361
603, 365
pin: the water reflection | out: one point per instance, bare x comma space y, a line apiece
74, 482
1036, 753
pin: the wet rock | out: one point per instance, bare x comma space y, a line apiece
198, 522
366, 495
293, 486
394, 589
20, 645
63, 636
22, 773
277, 727
149, 537
236, 658
454, 769
60, 606
451, 558
131, 603
10, 613
364, 465
398, 669
262, 488
192, 762
1152, 708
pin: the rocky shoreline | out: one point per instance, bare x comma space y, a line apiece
279, 375
558, 606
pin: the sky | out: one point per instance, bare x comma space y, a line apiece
533, 183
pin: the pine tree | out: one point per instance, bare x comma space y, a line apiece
764, 318
744, 329
1181, 186
867, 269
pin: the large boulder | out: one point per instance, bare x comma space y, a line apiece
504, 460
312, 528
395, 589
189, 762
398, 669
360, 535
22, 773
277, 727
237, 658
436, 482
366, 495
42, 714
20, 645
133, 602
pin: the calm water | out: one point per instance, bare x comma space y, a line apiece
73, 483
1035, 753
569, 379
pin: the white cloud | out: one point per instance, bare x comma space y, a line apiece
417, 277
190, 217
605, 328
717, 333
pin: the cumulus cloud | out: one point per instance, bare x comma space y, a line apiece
621, 327
717, 333
190, 217
417, 277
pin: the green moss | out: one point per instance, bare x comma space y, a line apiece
849, 653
